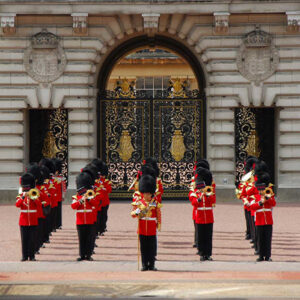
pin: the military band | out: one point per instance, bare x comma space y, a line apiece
43, 189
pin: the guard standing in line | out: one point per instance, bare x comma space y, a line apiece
147, 210
82, 203
203, 199
28, 202
262, 205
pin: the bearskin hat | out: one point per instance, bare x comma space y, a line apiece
105, 170
99, 164
152, 162
91, 170
84, 182
27, 182
203, 163
45, 172
148, 170
260, 167
147, 184
49, 164
35, 170
203, 175
263, 180
250, 163
58, 164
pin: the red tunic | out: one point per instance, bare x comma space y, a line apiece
247, 195
84, 211
106, 191
263, 213
29, 210
148, 224
159, 190
204, 208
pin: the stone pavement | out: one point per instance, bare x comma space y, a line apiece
233, 273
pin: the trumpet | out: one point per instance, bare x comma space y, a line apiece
268, 192
34, 194
208, 190
90, 194
132, 186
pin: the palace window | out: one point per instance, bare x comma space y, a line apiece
152, 84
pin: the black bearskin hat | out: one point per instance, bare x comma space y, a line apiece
250, 163
49, 164
147, 184
148, 170
203, 163
153, 163
260, 167
45, 172
203, 175
99, 164
91, 170
58, 164
104, 170
263, 180
35, 170
27, 182
84, 182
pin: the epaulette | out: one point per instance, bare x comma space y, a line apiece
193, 194
57, 179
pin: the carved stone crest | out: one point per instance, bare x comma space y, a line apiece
44, 59
257, 58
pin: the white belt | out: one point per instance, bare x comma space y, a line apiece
264, 209
84, 210
204, 208
29, 211
148, 219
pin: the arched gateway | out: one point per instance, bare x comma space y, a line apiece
168, 125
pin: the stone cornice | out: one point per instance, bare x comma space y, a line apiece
138, 7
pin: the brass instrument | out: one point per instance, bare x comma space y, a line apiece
34, 194
268, 192
132, 184
208, 190
90, 194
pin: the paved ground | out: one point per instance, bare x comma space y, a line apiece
233, 273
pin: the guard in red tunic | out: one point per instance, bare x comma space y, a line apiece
202, 199
29, 204
262, 205
147, 210
83, 202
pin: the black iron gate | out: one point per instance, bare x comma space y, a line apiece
168, 127
254, 135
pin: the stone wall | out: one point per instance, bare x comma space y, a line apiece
216, 45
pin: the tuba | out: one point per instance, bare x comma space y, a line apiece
33, 194
208, 190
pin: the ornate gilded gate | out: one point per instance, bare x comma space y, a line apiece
254, 135
169, 127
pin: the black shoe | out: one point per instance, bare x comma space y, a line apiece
97, 237
37, 252
202, 258
252, 242
96, 246
23, 259
80, 259
47, 242
247, 237
43, 246
152, 268
54, 230
194, 246
144, 268
59, 227
256, 252
32, 259
89, 258
268, 259
209, 258
260, 259
253, 246
102, 233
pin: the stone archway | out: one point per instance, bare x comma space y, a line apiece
193, 107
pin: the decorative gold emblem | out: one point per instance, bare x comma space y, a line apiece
253, 144
49, 147
124, 89
178, 89
125, 148
177, 146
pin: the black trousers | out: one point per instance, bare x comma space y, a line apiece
103, 218
85, 237
28, 239
205, 233
247, 219
59, 215
148, 249
196, 234
252, 227
264, 238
